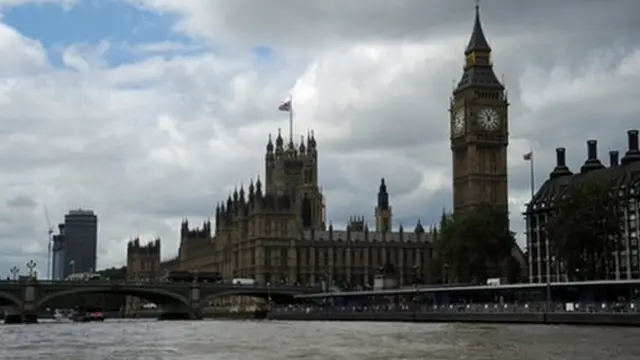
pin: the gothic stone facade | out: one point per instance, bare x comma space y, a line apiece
479, 129
278, 233
143, 264
625, 176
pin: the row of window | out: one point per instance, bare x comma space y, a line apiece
622, 264
337, 279
563, 278
630, 207
632, 239
374, 257
357, 256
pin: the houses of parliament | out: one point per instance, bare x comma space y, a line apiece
275, 230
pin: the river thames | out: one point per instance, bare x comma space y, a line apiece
249, 340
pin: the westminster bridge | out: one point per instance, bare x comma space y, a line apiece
29, 296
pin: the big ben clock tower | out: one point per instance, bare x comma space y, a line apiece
479, 129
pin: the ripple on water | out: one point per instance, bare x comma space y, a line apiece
249, 340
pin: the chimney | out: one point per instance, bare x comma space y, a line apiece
592, 149
613, 158
632, 136
592, 162
561, 158
633, 153
561, 168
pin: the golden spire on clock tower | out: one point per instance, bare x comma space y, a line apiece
479, 128
478, 42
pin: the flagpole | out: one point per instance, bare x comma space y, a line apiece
531, 175
546, 243
291, 118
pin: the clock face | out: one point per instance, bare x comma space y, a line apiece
489, 119
458, 122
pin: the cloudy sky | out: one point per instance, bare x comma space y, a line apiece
149, 111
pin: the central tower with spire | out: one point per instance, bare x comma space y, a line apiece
292, 171
479, 128
383, 209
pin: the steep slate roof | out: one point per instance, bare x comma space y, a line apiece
477, 42
624, 176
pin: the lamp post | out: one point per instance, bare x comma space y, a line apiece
268, 296
548, 295
30, 266
417, 276
446, 273
416, 284
14, 272
195, 275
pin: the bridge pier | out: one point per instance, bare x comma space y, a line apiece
13, 319
29, 317
12, 315
176, 312
182, 312
196, 310
27, 314
20, 316
29, 310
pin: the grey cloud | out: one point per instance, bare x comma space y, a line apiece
95, 140
324, 23
21, 201
189, 204
424, 206
389, 125
367, 169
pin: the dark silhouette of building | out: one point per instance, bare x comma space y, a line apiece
479, 119
80, 242
58, 262
272, 238
143, 264
479, 128
625, 175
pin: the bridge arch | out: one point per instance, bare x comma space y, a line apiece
158, 296
11, 297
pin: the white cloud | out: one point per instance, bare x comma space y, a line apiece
163, 47
19, 55
148, 142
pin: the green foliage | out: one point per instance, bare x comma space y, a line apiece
473, 243
114, 273
586, 227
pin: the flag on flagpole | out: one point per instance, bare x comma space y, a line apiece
528, 156
285, 106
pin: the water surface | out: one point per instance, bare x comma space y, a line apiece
265, 340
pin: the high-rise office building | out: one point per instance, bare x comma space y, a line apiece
58, 255
80, 241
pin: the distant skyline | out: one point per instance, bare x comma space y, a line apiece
150, 111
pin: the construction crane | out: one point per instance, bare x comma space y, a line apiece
49, 241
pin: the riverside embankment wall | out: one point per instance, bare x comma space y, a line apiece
567, 318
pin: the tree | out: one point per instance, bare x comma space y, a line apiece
474, 243
585, 227
114, 273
